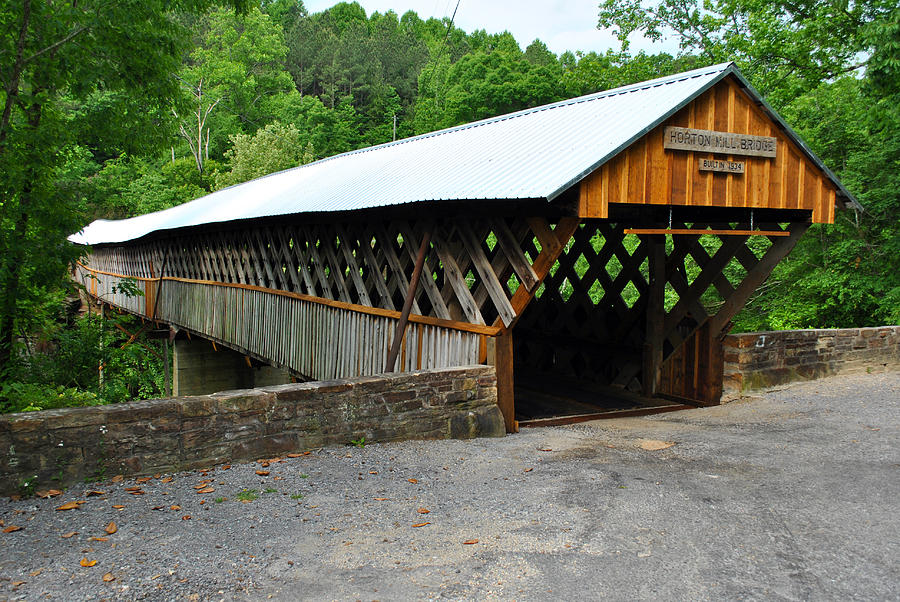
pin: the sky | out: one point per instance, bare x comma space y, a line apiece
561, 24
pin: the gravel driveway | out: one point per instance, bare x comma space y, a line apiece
794, 494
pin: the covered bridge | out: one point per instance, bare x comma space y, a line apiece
594, 248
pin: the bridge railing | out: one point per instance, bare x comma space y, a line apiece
317, 338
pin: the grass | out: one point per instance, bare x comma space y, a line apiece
270, 490
248, 495
219, 500
297, 496
360, 443
304, 476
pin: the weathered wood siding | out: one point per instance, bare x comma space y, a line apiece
646, 173
317, 339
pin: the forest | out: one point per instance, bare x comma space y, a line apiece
112, 109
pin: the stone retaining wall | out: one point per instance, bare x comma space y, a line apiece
759, 360
56, 448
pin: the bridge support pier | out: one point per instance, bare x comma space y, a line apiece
201, 369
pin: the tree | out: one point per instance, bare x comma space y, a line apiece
786, 47
53, 52
233, 77
275, 147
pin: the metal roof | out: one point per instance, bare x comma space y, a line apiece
537, 153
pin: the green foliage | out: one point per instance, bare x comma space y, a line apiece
30, 397
247, 495
273, 148
61, 369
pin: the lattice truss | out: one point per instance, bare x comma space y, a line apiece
472, 272
589, 320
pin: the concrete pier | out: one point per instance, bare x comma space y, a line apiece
201, 368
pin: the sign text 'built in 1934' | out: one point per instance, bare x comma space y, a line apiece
718, 142
719, 165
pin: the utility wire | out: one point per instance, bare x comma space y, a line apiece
441, 49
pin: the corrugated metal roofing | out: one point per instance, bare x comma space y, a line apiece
532, 154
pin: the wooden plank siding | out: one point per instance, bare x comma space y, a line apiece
646, 173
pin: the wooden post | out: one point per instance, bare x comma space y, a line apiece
407, 304
656, 314
506, 379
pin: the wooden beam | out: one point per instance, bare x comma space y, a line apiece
434, 294
363, 309
552, 245
504, 365
656, 315
387, 247
701, 232
755, 277
489, 280
510, 247
407, 304
457, 282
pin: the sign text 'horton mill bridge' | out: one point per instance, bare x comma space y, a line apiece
598, 244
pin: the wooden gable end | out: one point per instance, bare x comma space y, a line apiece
648, 173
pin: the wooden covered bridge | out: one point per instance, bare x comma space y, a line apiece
592, 249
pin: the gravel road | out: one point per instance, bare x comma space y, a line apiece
793, 494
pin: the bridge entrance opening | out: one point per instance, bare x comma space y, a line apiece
580, 345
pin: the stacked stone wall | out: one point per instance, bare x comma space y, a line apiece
760, 360
57, 448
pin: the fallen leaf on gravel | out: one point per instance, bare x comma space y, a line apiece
70, 506
417, 525
117, 479
277, 478
157, 475
529, 469
263, 473
544, 449
135, 488
226, 467
380, 499
373, 472
48, 493
469, 542
111, 528
654, 445
294, 455
69, 535
166, 480
18, 583
202, 502
35, 573
11, 529
98, 538
202, 484
174, 507
186, 517
93, 492
118, 506
86, 562
206, 490
143, 480
109, 577
413, 481
138, 492
157, 507
423, 510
